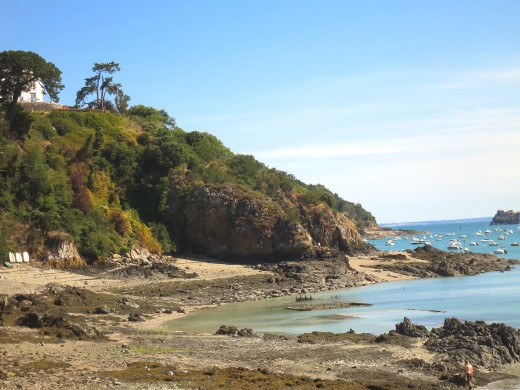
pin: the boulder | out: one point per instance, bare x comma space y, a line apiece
136, 317
103, 309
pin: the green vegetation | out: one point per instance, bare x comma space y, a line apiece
104, 180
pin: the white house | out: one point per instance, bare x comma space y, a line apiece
35, 93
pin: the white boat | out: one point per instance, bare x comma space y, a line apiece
501, 237
487, 232
463, 236
494, 243
479, 233
455, 245
389, 242
486, 240
500, 251
473, 243
515, 244
419, 241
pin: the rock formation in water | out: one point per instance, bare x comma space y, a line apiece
435, 262
506, 218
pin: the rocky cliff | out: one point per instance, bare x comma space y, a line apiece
234, 222
506, 218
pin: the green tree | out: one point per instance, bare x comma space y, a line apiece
100, 84
151, 118
18, 69
121, 100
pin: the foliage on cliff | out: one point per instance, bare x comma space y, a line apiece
107, 181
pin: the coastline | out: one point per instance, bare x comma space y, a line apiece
342, 360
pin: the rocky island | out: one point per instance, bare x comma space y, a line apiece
508, 217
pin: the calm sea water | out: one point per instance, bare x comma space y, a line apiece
492, 297
466, 233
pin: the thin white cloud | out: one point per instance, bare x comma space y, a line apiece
476, 79
461, 131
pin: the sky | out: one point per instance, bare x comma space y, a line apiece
410, 108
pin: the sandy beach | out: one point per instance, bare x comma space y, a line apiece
142, 353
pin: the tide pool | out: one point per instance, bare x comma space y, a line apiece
492, 297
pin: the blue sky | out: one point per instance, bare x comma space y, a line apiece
411, 108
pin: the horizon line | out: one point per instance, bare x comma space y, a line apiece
433, 220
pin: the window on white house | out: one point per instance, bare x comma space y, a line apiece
33, 97
32, 84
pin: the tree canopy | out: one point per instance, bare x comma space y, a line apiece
102, 84
18, 68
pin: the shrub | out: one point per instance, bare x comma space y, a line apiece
43, 125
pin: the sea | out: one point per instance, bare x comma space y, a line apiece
492, 297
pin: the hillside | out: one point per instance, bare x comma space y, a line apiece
102, 183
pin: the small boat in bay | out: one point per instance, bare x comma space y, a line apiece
455, 245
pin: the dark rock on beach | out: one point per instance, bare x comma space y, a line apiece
406, 328
62, 326
234, 331
488, 346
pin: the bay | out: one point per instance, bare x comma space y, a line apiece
492, 297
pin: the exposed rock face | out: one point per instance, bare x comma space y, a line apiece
234, 222
506, 218
61, 247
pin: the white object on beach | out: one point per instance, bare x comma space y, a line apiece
18, 257
12, 257
25, 256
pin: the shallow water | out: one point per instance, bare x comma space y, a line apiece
491, 297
